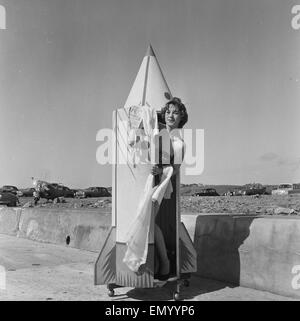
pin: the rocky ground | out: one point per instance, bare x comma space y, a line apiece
70, 203
260, 204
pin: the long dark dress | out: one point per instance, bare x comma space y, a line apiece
166, 216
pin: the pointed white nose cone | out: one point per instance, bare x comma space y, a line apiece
150, 87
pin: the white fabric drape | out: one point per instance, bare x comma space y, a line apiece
145, 127
138, 234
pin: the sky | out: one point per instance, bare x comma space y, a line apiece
65, 65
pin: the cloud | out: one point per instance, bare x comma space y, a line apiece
293, 164
267, 157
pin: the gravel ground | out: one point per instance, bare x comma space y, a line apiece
265, 204
70, 203
262, 204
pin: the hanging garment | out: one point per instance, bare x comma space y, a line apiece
138, 234
142, 128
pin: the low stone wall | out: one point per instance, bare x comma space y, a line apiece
9, 220
82, 229
257, 252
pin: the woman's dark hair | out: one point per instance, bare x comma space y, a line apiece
183, 113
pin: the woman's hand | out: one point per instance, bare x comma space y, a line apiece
156, 170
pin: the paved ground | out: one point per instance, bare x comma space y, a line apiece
36, 271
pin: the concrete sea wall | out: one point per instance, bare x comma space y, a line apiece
82, 229
252, 251
257, 252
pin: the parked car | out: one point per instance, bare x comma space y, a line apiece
282, 189
50, 191
207, 192
55, 184
64, 191
8, 199
295, 190
255, 190
93, 192
74, 191
9, 189
238, 192
27, 192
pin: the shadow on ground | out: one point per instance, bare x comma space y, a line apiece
217, 241
197, 287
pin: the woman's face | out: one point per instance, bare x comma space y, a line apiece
172, 116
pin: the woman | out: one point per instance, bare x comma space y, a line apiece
175, 116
